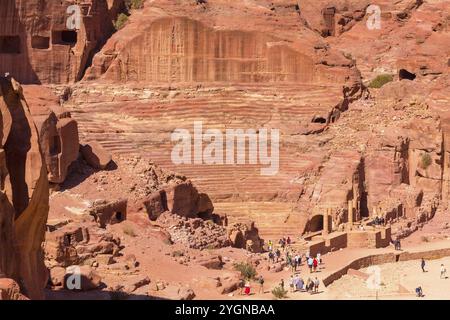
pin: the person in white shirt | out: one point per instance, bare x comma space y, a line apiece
443, 272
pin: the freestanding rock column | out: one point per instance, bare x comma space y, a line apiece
326, 227
350, 212
24, 194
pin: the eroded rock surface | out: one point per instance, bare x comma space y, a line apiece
24, 193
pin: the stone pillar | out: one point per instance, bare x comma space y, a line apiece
350, 212
326, 228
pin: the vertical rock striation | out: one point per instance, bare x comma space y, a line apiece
24, 194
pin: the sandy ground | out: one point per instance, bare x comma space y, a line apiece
408, 274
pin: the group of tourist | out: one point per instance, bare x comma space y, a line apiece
296, 283
379, 221
293, 259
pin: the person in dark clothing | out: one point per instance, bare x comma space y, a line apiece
261, 284
419, 292
422, 265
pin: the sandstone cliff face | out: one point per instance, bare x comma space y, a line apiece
240, 42
38, 47
24, 194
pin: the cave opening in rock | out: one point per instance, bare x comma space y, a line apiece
10, 44
316, 223
329, 21
55, 145
38, 42
68, 240
119, 216
65, 37
319, 120
405, 74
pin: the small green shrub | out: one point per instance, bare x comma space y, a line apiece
381, 80
246, 270
134, 4
425, 161
121, 21
128, 230
279, 293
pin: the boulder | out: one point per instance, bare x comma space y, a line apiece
245, 236
186, 294
155, 204
230, 284
10, 290
182, 199
95, 155
89, 279
109, 212
211, 262
135, 283
205, 205
57, 276
104, 259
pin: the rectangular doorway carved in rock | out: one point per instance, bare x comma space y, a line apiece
38, 42
64, 37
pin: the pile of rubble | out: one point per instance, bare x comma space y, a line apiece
195, 233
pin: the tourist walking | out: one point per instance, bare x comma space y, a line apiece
419, 292
443, 272
315, 264
310, 264
309, 285
316, 285
300, 284
278, 254
422, 265
271, 257
247, 288
319, 258
291, 284
261, 284
282, 284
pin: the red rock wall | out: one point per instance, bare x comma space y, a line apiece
184, 50
172, 42
39, 56
24, 194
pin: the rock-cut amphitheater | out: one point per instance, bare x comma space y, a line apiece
91, 92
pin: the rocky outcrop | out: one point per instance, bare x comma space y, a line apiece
52, 41
172, 42
77, 245
109, 212
195, 233
10, 290
95, 155
245, 236
182, 199
24, 193
58, 132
